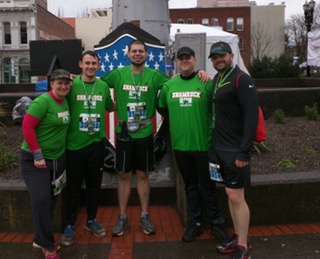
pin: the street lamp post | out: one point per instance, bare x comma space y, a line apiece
308, 9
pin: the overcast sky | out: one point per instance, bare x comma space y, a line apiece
73, 8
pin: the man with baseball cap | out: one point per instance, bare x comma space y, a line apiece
235, 118
188, 102
221, 48
185, 51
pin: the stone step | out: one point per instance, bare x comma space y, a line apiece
280, 198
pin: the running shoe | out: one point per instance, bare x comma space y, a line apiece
147, 225
93, 226
67, 238
120, 227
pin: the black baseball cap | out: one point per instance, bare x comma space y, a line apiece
59, 74
185, 51
220, 47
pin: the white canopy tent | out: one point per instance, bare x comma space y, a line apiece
212, 35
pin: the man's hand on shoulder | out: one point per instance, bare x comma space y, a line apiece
73, 76
175, 75
204, 76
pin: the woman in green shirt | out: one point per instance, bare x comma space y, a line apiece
42, 156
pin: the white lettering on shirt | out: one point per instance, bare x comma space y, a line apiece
186, 95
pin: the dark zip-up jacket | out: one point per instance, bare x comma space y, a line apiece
236, 114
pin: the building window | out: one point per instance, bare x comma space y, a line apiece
7, 72
190, 21
239, 24
7, 32
230, 24
24, 71
205, 21
180, 20
23, 33
214, 22
241, 43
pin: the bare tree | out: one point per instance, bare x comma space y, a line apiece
85, 12
261, 41
296, 33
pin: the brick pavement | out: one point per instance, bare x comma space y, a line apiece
168, 225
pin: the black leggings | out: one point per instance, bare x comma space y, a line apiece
84, 164
199, 188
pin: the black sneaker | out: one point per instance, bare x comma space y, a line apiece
191, 232
229, 246
220, 233
242, 253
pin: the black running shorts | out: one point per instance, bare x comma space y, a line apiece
233, 176
135, 154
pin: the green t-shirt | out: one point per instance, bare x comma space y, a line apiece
135, 92
188, 102
88, 104
51, 132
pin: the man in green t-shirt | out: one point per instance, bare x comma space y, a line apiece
136, 88
188, 102
89, 98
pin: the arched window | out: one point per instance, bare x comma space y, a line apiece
239, 24
23, 33
205, 21
214, 22
230, 24
24, 71
190, 21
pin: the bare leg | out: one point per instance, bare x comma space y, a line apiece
124, 190
233, 218
143, 188
240, 214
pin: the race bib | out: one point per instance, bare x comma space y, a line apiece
136, 111
214, 171
59, 183
89, 122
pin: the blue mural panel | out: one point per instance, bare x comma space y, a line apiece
114, 55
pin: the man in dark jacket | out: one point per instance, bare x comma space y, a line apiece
235, 108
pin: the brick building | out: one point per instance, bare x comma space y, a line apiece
260, 28
231, 19
20, 22
221, 3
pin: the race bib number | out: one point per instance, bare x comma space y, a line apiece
59, 183
89, 122
214, 171
136, 111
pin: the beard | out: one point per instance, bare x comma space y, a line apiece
138, 64
226, 65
